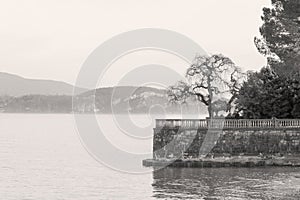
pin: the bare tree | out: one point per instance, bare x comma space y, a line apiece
209, 79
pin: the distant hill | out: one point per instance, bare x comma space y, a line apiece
16, 86
124, 99
118, 100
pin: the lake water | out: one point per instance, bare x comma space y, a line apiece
41, 157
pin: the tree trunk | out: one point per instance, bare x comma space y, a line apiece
210, 111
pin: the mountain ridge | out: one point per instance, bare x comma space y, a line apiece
118, 99
16, 86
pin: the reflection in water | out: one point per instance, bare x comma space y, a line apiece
227, 183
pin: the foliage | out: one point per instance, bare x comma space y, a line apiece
267, 95
274, 90
280, 31
209, 79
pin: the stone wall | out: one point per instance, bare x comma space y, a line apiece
177, 142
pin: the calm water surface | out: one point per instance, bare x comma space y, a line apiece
41, 158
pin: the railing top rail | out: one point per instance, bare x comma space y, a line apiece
222, 119
231, 123
180, 119
288, 119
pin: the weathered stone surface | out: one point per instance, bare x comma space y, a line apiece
176, 142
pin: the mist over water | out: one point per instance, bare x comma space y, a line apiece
41, 157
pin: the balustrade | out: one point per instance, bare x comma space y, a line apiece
228, 123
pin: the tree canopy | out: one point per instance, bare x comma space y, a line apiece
267, 95
274, 90
212, 80
280, 41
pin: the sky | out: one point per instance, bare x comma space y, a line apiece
52, 39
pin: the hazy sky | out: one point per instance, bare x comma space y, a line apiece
51, 39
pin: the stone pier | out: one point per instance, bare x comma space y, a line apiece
196, 139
